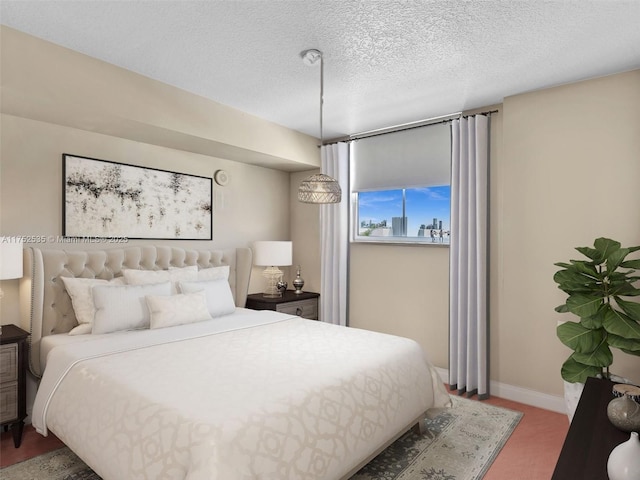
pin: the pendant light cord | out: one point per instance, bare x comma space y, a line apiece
321, 96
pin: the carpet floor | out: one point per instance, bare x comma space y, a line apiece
461, 443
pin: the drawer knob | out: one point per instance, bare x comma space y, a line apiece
299, 311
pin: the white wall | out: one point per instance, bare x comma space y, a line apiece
253, 206
305, 235
43, 81
565, 166
402, 290
57, 101
568, 173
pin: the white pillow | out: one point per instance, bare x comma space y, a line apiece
213, 273
173, 275
124, 308
79, 289
177, 309
217, 292
82, 329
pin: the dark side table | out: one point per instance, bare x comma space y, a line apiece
591, 436
303, 304
13, 380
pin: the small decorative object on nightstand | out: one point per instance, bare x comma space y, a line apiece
303, 304
13, 378
298, 282
282, 286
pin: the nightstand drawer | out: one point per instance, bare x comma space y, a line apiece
8, 402
9, 363
302, 308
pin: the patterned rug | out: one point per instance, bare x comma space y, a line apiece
461, 444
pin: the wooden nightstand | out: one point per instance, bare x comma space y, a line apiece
13, 380
304, 304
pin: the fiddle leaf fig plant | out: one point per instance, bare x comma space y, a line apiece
602, 293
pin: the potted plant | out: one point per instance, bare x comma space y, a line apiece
601, 291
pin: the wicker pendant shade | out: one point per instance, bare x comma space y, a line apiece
318, 188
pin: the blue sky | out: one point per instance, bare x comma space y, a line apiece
423, 204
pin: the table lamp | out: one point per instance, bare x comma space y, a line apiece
272, 254
10, 260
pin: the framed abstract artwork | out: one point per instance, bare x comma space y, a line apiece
105, 199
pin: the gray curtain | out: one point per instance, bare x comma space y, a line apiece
469, 292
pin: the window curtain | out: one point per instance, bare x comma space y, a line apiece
468, 309
334, 238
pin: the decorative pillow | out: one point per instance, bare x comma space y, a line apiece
214, 273
173, 275
79, 289
177, 309
124, 308
217, 292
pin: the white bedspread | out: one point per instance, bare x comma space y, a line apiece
254, 395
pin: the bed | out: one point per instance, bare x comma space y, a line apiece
240, 395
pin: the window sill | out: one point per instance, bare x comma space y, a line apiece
407, 243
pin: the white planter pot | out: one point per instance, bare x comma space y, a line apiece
572, 393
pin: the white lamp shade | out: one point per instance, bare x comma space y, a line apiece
272, 253
10, 258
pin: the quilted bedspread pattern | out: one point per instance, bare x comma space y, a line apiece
250, 397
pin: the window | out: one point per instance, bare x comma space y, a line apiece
414, 214
400, 185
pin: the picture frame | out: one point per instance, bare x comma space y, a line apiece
106, 199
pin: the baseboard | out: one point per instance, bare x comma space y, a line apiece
554, 403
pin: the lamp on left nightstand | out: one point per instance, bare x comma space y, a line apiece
272, 254
10, 260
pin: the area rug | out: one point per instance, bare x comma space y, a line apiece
461, 443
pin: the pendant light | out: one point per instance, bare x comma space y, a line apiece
318, 188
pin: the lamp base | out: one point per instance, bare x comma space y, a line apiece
273, 275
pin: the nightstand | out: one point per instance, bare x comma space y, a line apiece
13, 380
303, 304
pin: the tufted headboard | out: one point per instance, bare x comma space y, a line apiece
45, 305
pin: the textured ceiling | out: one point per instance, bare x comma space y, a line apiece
386, 62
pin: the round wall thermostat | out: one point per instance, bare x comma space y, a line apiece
221, 177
